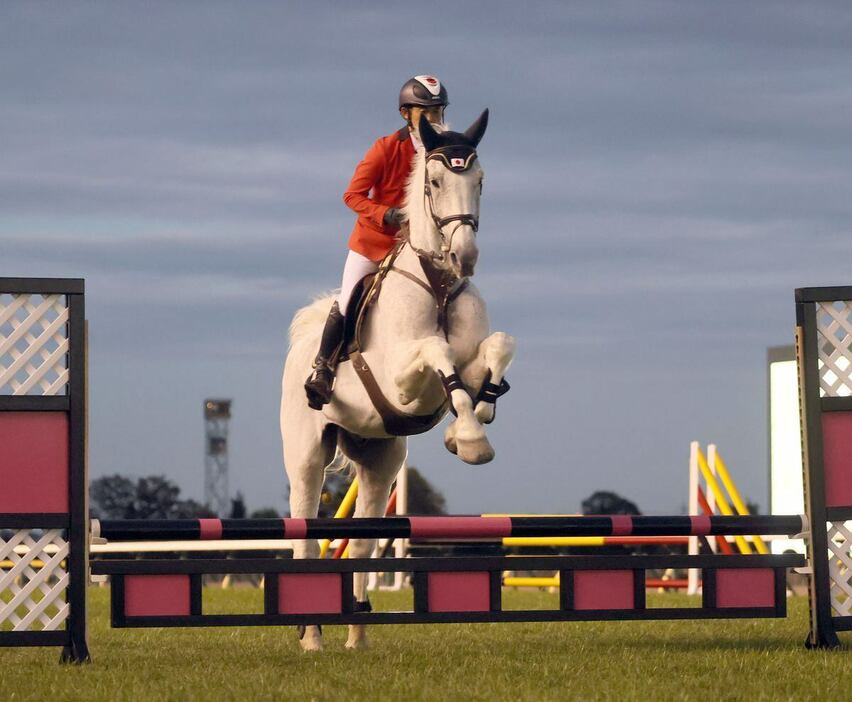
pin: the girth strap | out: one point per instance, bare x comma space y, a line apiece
396, 422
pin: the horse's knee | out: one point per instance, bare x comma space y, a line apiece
500, 350
436, 352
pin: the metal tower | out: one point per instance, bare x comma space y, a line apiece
217, 414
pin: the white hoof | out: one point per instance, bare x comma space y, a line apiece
476, 451
357, 638
450, 438
484, 412
311, 639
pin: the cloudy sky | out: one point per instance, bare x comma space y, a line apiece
660, 177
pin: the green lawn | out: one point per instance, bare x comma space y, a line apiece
709, 660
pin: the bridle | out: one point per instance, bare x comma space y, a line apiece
457, 159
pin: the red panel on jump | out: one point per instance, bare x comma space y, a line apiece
460, 527
295, 528
745, 587
34, 462
459, 592
837, 455
210, 529
622, 524
310, 593
603, 589
156, 595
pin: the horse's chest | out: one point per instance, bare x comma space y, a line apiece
468, 326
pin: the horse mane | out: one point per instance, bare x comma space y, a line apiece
416, 216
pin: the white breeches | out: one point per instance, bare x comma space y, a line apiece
355, 268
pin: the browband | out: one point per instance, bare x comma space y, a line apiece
457, 158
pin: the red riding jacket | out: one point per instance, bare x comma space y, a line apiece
377, 185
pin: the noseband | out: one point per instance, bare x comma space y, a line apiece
458, 159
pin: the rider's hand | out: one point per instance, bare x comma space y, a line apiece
393, 217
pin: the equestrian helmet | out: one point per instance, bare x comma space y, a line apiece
423, 91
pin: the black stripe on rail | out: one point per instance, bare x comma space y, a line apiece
461, 527
359, 528
641, 525
760, 524
149, 529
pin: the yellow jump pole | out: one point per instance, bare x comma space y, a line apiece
345, 509
741, 508
553, 541
721, 500
531, 582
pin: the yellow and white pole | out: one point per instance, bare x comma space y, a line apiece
721, 500
344, 510
721, 470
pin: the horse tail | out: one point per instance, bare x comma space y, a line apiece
309, 320
340, 464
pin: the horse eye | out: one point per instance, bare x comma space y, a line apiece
435, 183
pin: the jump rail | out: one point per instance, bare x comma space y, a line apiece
452, 527
43, 510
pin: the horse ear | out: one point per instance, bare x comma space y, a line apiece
476, 131
430, 138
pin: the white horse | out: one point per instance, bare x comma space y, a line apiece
415, 365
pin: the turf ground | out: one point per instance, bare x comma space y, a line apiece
678, 660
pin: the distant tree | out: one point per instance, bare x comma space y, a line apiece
604, 502
423, 497
111, 497
153, 497
265, 513
238, 507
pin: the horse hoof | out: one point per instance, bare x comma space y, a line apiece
484, 412
357, 644
310, 638
450, 443
475, 452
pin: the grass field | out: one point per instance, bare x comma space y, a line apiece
702, 660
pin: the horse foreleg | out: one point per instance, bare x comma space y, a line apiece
308, 448
495, 354
305, 491
434, 355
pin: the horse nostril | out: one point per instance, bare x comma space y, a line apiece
454, 259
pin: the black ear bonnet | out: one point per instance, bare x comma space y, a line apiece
456, 150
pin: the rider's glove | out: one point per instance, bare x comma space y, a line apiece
393, 217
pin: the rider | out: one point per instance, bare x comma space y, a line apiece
375, 193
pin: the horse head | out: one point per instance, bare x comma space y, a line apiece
452, 188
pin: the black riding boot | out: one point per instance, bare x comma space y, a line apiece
318, 386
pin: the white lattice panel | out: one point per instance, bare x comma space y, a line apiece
32, 591
33, 344
840, 567
834, 324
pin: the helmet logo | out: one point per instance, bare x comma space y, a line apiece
431, 83
457, 162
